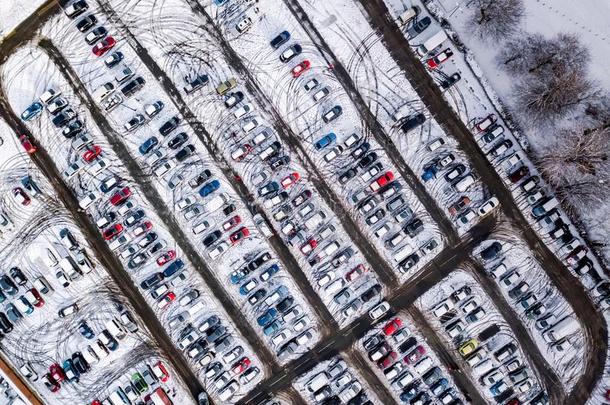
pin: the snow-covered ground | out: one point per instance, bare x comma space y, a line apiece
336, 376
465, 297
12, 12
411, 348
21, 90
44, 337
524, 277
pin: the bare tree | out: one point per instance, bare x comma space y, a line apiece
495, 19
536, 55
577, 165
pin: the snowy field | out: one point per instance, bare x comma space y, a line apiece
411, 349
21, 91
457, 326
31, 242
12, 12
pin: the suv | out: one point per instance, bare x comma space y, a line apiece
169, 125
133, 86
418, 27
196, 84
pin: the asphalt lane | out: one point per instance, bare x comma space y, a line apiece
149, 192
115, 269
571, 288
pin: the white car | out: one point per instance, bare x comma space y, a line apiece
218, 250
334, 153
379, 310
488, 206
185, 202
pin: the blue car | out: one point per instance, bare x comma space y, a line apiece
86, 330
173, 268
28, 308
148, 145
429, 173
272, 327
71, 372
325, 141
209, 188
266, 275
32, 111
267, 317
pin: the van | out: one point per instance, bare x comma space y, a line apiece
464, 183
102, 92
329, 250
567, 326
115, 329
197, 308
87, 200
70, 268
313, 222
81, 141
215, 203
317, 382
200, 227
483, 367
543, 208
335, 286
49, 96
408, 15
73, 169
423, 365
402, 254
432, 43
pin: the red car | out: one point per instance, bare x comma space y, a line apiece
231, 223
57, 373
241, 152
382, 181
240, 234
103, 46
485, 123
27, 144
143, 228
166, 257
50, 383
91, 153
392, 326
300, 68
309, 246
290, 179
415, 354
113, 231
241, 366
160, 371
519, 174
356, 272
120, 196
33, 296
387, 360
301, 198
21, 197
439, 58
165, 300
576, 255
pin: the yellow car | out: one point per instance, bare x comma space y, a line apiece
226, 86
468, 347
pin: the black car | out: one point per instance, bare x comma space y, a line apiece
169, 126
259, 261
178, 140
295, 49
360, 150
413, 122
278, 162
79, 362
418, 27
224, 343
371, 293
85, 330
5, 325
86, 23
63, 117
74, 127
184, 153
152, 281
491, 251
18, 275
134, 217
95, 35
173, 268
7, 285
409, 262
114, 59
285, 304
204, 176
211, 238
133, 86
407, 345
280, 39
373, 342
367, 160
214, 333
347, 175
414, 227
156, 247
450, 81
228, 209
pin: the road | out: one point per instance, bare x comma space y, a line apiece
163, 212
115, 269
571, 288
289, 262
22, 388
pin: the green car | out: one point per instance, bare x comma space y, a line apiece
138, 382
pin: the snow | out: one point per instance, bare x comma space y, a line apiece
13, 12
